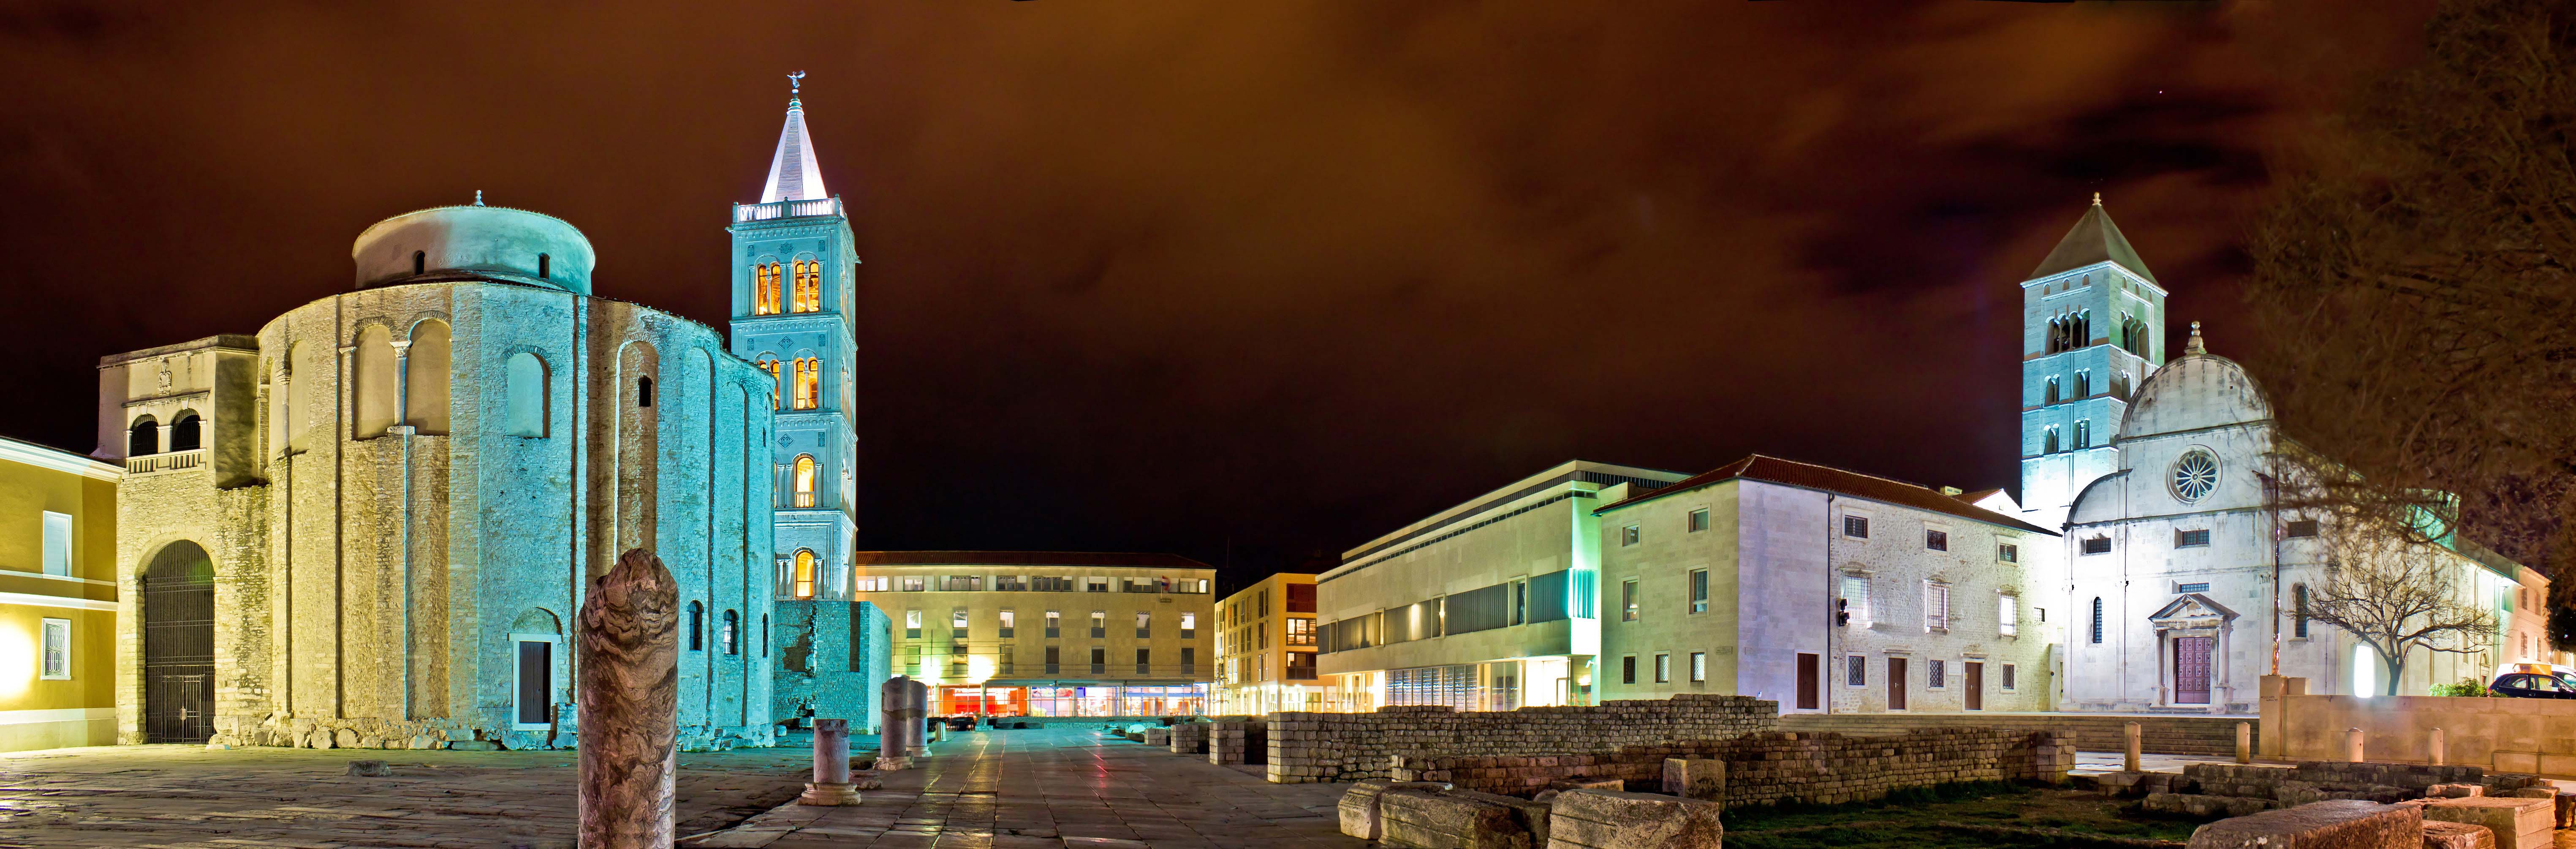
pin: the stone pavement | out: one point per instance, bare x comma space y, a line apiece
1063, 788
186, 796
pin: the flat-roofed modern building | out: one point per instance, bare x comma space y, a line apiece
1047, 633
1488, 605
58, 596
1265, 646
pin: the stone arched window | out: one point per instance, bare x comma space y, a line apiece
2299, 608
2083, 433
809, 286
187, 432
419, 262
2052, 394
809, 383
2048, 441
2097, 620
697, 627
545, 267
731, 637
769, 364
764, 289
372, 383
525, 396
803, 480
805, 573
644, 391
143, 437
425, 381
764, 635
2083, 383
299, 371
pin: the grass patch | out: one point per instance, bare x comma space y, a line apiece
1952, 816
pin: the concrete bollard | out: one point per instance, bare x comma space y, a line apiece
831, 784
630, 704
2352, 745
2136, 736
2437, 748
2245, 742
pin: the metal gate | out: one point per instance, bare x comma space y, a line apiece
2191, 670
179, 646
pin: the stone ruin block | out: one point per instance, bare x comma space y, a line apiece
2206, 807
1156, 737
1605, 819
1359, 805
1455, 819
2454, 791
2518, 823
2337, 824
1695, 778
2457, 835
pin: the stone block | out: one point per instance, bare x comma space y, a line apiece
1359, 805
2455, 791
1607, 819
2337, 824
2206, 807
2457, 835
2518, 823
1432, 819
1695, 778
1156, 737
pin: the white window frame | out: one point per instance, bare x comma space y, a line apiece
1663, 667
1936, 623
1859, 608
1697, 521
1847, 668
1695, 584
554, 682
2008, 614
58, 547
1699, 667
54, 635
1629, 535
1932, 681
2011, 680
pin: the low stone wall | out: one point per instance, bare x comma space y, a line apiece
2513, 735
1238, 741
1779, 766
1313, 747
2205, 736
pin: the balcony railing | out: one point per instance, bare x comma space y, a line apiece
786, 209
170, 462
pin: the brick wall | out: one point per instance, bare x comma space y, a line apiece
1316, 747
1779, 766
2208, 736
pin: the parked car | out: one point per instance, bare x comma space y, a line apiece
962, 722
2533, 685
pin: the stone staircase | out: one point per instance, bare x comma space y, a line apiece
2205, 736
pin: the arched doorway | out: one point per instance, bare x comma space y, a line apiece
179, 645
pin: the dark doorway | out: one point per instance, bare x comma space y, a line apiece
1807, 673
1896, 683
537, 682
1976, 685
179, 645
2191, 670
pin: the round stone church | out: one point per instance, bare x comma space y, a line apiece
371, 524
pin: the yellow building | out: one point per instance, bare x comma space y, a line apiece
1265, 645
1046, 633
57, 598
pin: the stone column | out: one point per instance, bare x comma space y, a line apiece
2245, 743
917, 696
831, 784
2352, 744
2133, 732
630, 704
900, 730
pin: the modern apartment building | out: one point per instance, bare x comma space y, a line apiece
1488, 605
1265, 646
58, 594
1825, 590
1047, 633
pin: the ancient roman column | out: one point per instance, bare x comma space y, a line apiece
831, 784
630, 703
901, 724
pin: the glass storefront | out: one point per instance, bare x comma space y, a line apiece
1085, 700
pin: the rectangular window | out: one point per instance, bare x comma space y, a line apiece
2191, 588
1054, 660
2008, 553
1009, 583
1099, 624
1144, 624
2008, 677
912, 624
957, 623
1628, 535
1699, 520
1144, 661
2097, 545
1936, 606
875, 585
1189, 661
1095, 585
56, 662
1935, 672
1301, 632
965, 583
917, 584
1261, 603
1190, 625
58, 543
1520, 602
1628, 600
1936, 540
1628, 669
1099, 660
1261, 637
1856, 598
2299, 608
1663, 668
2301, 528
536, 684
2191, 539
1010, 619
1699, 591
1856, 527
1699, 666
2008, 614
1054, 624
1855, 671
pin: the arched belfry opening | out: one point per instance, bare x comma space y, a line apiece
179, 645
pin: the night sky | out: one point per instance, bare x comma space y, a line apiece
1241, 281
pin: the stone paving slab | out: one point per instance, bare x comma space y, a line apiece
1057, 788
188, 796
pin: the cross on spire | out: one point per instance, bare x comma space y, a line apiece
795, 83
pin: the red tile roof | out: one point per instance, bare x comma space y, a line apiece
1024, 558
1829, 479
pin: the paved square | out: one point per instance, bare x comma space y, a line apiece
1060, 787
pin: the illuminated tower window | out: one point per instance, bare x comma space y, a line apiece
770, 365
764, 289
809, 383
809, 286
805, 480
805, 573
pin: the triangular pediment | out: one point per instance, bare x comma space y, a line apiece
2192, 606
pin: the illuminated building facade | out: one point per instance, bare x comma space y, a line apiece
1010, 633
1265, 645
58, 593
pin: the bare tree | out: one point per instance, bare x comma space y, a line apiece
2413, 276
2398, 594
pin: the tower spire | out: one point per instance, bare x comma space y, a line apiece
793, 173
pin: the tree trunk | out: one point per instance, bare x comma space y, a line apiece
2396, 669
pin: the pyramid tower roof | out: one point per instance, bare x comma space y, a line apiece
2094, 239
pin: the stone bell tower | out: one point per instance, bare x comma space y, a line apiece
2093, 321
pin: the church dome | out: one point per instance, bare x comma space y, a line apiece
465, 242
2197, 390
